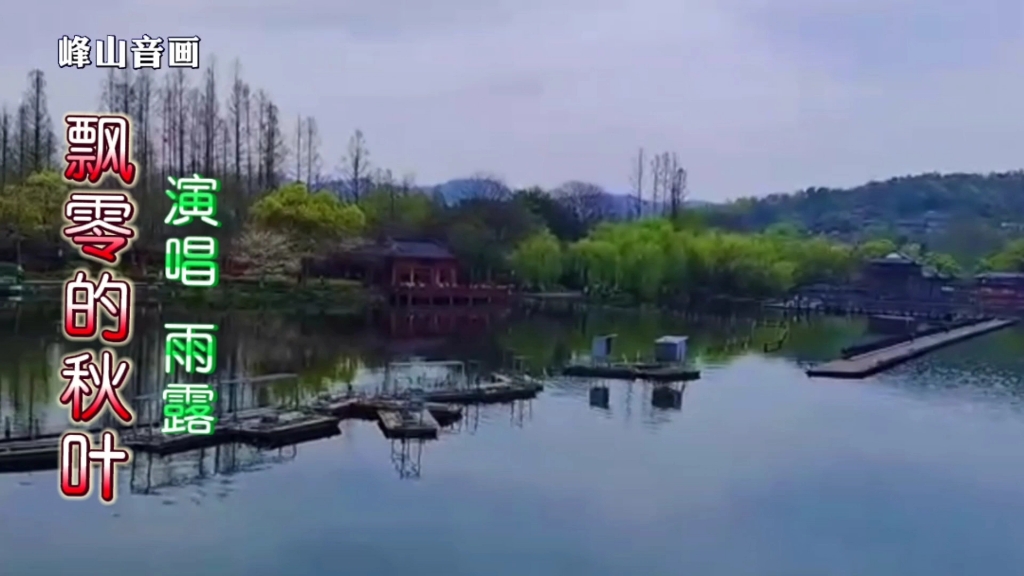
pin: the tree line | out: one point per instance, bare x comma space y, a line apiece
222, 127
968, 216
281, 203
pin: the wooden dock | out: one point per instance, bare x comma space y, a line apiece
396, 416
497, 393
153, 441
368, 408
285, 428
870, 363
30, 455
652, 372
407, 425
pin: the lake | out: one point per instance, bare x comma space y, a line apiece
763, 471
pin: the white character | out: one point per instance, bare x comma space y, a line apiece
74, 51
147, 52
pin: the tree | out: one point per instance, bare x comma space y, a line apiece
299, 132
309, 220
271, 144
31, 209
878, 248
1009, 259
210, 113
237, 105
265, 253
538, 260
588, 202
42, 139
5, 148
356, 165
312, 153
637, 180
944, 264
557, 218
677, 192
485, 186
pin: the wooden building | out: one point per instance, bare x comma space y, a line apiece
1000, 290
410, 273
900, 277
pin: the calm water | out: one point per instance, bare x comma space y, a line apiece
762, 471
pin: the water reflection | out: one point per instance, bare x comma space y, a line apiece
208, 469
332, 353
406, 456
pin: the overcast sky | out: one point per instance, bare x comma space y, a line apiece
756, 96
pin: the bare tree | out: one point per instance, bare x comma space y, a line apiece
5, 147
588, 202
236, 115
224, 137
356, 165
677, 190
669, 168
656, 171
194, 122
299, 131
637, 180
142, 118
109, 99
486, 186
247, 107
260, 104
24, 140
179, 87
408, 182
209, 108
313, 159
41, 153
272, 148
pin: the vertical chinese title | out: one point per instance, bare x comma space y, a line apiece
97, 307
100, 306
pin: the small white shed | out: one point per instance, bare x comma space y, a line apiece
670, 349
601, 347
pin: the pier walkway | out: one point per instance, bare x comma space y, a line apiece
270, 427
875, 361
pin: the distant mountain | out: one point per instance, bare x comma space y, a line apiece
617, 205
459, 189
925, 200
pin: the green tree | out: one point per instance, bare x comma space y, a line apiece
1009, 259
391, 211
943, 263
309, 220
538, 260
878, 248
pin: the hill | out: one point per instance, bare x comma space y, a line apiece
996, 199
964, 214
616, 206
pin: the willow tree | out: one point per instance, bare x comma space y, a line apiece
538, 260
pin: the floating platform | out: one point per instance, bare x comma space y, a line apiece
487, 393
30, 455
875, 361
652, 372
406, 425
153, 441
667, 398
368, 408
600, 397
284, 429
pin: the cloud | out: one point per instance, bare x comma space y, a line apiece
756, 96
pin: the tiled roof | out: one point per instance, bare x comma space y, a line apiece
424, 250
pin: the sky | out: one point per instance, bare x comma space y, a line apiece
755, 96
